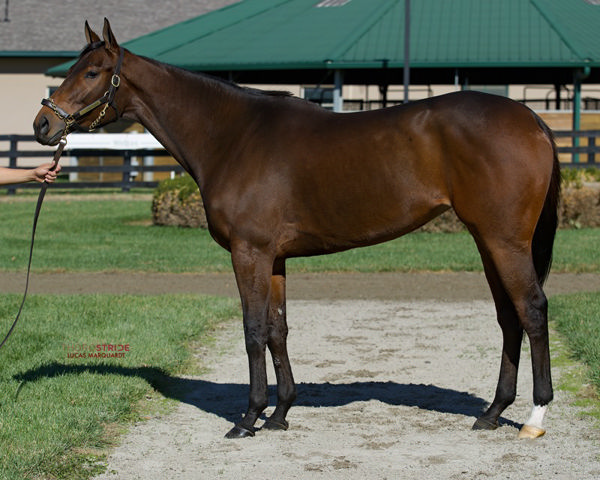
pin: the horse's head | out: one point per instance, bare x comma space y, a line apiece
84, 98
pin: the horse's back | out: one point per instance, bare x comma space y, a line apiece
426, 155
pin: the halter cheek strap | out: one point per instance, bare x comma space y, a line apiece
72, 120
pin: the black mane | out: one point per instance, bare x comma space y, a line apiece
228, 83
270, 93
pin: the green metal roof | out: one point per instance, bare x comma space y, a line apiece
301, 34
37, 53
355, 35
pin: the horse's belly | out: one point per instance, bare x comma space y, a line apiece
346, 228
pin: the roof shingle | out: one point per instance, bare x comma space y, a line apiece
42, 26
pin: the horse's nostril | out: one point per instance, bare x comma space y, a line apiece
43, 126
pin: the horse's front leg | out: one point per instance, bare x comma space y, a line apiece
253, 275
277, 343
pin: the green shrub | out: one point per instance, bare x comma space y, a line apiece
580, 207
178, 202
577, 177
571, 177
183, 184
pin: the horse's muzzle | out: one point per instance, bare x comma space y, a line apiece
47, 128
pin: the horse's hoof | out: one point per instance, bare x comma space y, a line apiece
274, 425
529, 431
483, 424
239, 432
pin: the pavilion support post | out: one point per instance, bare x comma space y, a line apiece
576, 125
384, 83
338, 99
557, 90
578, 77
406, 69
383, 90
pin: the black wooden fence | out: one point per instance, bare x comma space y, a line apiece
581, 155
127, 169
583, 148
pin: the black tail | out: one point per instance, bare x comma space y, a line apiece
545, 231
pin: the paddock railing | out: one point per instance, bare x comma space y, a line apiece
576, 149
131, 171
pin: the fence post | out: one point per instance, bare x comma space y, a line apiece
12, 160
126, 171
591, 145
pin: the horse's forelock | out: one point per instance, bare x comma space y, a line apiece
87, 49
90, 47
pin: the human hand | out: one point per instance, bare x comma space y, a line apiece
44, 173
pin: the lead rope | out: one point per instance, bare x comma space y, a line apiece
57, 154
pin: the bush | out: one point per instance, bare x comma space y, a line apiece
178, 202
578, 177
447, 222
580, 207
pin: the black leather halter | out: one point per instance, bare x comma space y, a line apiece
72, 119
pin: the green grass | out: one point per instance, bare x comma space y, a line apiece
103, 235
108, 235
577, 319
58, 414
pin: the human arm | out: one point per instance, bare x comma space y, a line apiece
10, 176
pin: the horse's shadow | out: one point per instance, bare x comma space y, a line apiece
228, 400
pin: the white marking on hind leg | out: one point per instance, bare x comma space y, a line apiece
533, 427
537, 416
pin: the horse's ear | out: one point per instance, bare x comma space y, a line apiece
110, 42
90, 35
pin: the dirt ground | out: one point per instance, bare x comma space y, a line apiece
463, 286
392, 370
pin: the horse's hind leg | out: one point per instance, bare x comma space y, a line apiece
277, 343
512, 334
513, 277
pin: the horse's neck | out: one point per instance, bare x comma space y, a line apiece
182, 110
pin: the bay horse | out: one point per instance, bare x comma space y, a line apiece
281, 177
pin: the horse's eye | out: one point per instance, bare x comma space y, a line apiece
91, 74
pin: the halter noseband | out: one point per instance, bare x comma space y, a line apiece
71, 120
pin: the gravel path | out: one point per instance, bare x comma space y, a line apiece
388, 389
